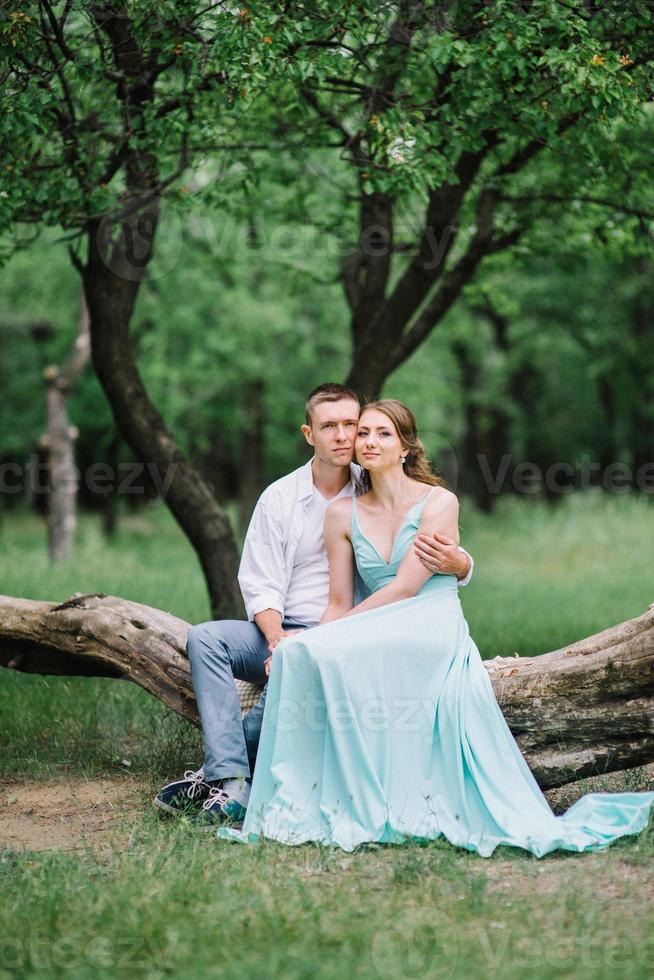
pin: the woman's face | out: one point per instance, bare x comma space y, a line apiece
377, 445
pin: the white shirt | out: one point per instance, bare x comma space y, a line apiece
309, 584
270, 551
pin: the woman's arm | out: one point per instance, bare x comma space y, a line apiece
441, 516
338, 518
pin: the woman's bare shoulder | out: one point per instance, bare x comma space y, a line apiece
340, 509
440, 500
338, 518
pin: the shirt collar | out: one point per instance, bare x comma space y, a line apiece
305, 479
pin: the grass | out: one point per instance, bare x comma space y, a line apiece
168, 900
545, 577
163, 898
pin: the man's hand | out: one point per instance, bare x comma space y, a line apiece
267, 664
269, 622
278, 637
441, 555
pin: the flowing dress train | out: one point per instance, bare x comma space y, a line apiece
384, 726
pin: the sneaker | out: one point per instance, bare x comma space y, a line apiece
221, 806
184, 794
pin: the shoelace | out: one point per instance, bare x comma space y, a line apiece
196, 779
216, 795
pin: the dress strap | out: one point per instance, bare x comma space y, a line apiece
421, 503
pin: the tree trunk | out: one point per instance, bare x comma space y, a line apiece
482, 445
111, 281
60, 442
217, 465
642, 441
579, 711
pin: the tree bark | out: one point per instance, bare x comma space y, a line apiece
642, 440
579, 711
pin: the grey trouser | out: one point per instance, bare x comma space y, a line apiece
218, 652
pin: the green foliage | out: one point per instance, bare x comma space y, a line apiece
211, 76
222, 312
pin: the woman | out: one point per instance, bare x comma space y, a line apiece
381, 723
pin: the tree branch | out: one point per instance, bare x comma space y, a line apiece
578, 711
584, 198
482, 244
57, 29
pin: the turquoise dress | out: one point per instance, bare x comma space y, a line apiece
384, 726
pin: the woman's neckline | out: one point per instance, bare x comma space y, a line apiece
399, 530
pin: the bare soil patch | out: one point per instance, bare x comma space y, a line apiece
68, 815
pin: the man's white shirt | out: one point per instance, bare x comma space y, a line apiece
284, 563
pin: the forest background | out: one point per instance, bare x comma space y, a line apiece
449, 203
206, 210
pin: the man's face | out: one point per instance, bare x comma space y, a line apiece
332, 431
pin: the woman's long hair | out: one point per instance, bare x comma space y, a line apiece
417, 466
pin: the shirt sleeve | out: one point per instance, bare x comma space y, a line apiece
262, 572
466, 580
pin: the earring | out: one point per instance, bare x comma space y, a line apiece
403, 460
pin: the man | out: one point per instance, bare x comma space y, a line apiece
284, 579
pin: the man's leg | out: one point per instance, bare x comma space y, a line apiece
252, 723
218, 652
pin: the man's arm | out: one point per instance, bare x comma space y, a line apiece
269, 622
262, 571
441, 555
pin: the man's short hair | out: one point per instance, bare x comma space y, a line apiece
329, 392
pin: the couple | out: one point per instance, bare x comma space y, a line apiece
380, 723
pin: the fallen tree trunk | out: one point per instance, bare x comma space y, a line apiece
579, 711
